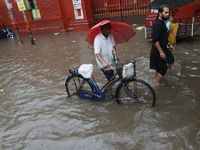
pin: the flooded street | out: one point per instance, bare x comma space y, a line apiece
36, 115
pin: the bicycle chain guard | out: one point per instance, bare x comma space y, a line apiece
92, 95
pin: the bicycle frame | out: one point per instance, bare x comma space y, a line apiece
127, 82
97, 93
119, 78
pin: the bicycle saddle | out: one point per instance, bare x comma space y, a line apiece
74, 72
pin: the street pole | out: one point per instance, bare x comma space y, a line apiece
121, 11
28, 27
9, 7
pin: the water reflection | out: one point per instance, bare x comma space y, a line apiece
35, 114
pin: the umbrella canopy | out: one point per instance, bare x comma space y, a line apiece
121, 32
171, 3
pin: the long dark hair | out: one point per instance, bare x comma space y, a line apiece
160, 9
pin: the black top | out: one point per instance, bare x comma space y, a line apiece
160, 33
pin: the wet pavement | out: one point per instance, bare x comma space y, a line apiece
36, 115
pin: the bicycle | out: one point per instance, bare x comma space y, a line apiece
6, 33
127, 90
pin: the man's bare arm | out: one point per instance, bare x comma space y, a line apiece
162, 54
103, 62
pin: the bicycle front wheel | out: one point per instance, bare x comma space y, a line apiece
135, 90
76, 84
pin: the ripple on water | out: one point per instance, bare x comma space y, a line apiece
35, 114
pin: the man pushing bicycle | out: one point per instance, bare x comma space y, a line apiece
105, 51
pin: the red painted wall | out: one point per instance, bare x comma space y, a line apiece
4, 18
67, 13
56, 16
186, 10
50, 22
88, 10
88, 18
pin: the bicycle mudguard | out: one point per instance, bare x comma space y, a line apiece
94, 85
92, 95
68, 77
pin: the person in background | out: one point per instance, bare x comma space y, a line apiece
161, 57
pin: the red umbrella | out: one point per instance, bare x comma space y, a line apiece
121, 32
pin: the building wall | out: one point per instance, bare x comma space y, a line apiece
188, 10
4, 18
51, 18
56, 16
67, 13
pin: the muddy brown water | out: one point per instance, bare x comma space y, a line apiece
36, 115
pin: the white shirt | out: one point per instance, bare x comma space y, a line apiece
104, 47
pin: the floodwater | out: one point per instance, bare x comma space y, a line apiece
36, 115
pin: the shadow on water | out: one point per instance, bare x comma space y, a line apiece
35, 113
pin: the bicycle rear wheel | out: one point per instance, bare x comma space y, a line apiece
135, 90
76, 84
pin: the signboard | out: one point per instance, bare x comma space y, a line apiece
21, 5
77, 6
78, 10
36, 14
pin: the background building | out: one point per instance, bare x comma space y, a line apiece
63, 15
46, 17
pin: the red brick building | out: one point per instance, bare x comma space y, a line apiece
62, 15
47, 16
